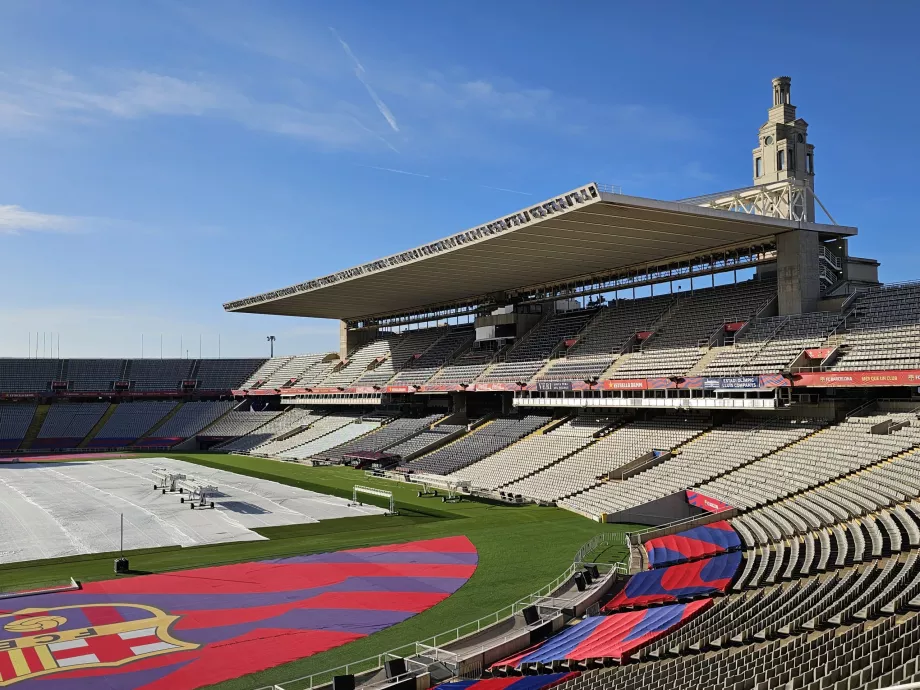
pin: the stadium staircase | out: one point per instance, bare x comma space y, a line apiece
98, 426
163, 421
617, 363
710, 355
35, 426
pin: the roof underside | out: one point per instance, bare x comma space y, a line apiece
580, 233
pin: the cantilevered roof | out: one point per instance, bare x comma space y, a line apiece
582, 232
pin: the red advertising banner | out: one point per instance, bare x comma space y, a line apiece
494, 387
365, 389
711, 505
624, 385
400, 389
295, 391
260, 391
818, 352
571, 341
440, 388
644, 335
864, 379
735, 326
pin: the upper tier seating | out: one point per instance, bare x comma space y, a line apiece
14, 423
29, 375
403, 351
534, 453
239, 422
225, 374
292, 370
465, 368
885, 333
191, 418
770, 345
419, 370
130, 420
485, 440
264, 372
277, 426
584, 469
159, 374
606, 337
712, 454
675, 347
389, 435
529, 354
94, 374
360, 359
71, 420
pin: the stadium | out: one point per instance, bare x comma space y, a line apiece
601, 442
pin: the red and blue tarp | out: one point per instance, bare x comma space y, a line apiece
698, 542
676, 582
612, 637
192, 628
541, 682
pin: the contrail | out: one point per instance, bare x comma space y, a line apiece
359, 73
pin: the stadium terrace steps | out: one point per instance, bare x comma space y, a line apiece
15, 420
110, 410
41, 411
706, 359
163, 420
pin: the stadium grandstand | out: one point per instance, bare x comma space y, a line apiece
719, 370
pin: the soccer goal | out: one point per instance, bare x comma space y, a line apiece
380, 493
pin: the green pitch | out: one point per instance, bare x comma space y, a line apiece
521, 548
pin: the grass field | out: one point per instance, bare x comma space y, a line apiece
521, 548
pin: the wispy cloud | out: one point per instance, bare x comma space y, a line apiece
394, 170
360, 74
15, 220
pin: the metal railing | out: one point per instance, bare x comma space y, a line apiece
437, 641
609, 188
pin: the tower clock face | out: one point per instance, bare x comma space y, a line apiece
768, 140
801, 138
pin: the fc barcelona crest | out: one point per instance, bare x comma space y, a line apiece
38, 642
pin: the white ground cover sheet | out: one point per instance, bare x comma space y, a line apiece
50, 510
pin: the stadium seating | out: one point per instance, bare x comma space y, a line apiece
677, 582
428, 439
129, 422
238, 423
95, 374
276, 426
188, 420
485, 440
418, 371
316, 430
67, 424
534, 453
347, 430
29, 375
607, 336
292, 370
586, 467
347, 371
712, 454
529, 354
159, 374
14, 423
224, 374
675, 347
770, 345
465, 368
403, 351
388, 435
885, 332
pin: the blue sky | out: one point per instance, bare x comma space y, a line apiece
160, 158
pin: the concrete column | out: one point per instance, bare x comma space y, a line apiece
349, 340
797, 272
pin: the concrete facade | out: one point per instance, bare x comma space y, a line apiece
798, 285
